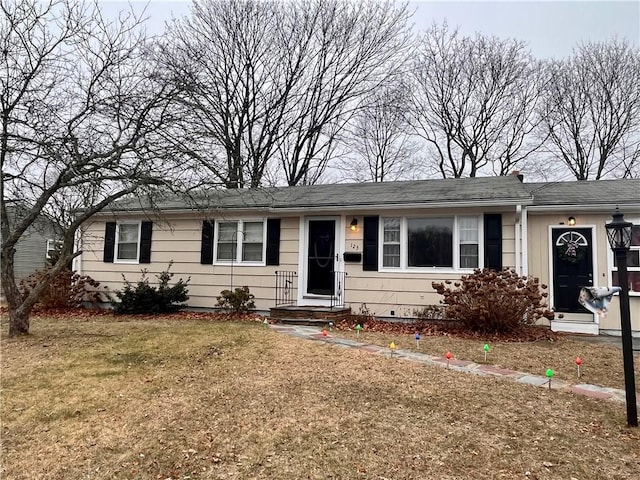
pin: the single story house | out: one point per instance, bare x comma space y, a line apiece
377, 246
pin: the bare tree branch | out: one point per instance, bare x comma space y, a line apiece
268, 86
81, 109
591, 110
475, 102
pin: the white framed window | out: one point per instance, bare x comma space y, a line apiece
252, 241
391, 242
226, 241
468, 240
633, 263
240, 241
447, 242
53, 247
127, 241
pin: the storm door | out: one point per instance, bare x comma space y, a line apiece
321, 254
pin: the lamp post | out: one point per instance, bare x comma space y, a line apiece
619, 236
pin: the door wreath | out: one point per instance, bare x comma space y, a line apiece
571, 247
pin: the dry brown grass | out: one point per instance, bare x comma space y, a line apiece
601, 364
129, 399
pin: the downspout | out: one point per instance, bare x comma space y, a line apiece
525, 241
76, 263
518, 239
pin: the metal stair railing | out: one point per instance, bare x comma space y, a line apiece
286, 288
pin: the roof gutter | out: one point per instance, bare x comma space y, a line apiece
608, 207
319, 208
395, 206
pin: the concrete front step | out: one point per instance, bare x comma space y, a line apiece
571, 326
322, 323
303, 314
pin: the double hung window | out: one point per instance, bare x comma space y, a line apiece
240, 241
127, 241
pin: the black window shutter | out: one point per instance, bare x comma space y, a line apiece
370, 250
273, 241
145, 242
206, 245
493, 241
109, 241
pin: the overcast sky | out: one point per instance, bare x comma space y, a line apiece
551, 28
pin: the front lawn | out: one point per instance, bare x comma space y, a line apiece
109, 398
601, 364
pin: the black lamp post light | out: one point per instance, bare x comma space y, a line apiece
619, 235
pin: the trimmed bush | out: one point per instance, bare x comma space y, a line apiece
238, 301
143, 298
492, 301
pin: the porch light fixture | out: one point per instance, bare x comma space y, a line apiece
354, 225
571, 221
619, 236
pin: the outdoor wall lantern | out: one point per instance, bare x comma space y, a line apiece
354, 225
619, 236
571, 221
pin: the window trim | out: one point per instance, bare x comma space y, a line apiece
404, 245
611, 268
48, 247
239, 241
383, 243
116, 243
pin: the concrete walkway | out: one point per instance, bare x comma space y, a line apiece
594, 391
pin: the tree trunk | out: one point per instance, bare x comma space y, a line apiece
18, 315
18, 322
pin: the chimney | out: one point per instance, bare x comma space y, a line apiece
518, 174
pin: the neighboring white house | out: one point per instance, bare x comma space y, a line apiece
379, 244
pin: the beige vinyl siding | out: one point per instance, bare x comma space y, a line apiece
179, 241
539, 259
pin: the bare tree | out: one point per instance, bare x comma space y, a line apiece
228, 60
475, 102
592, 110
79, 109
378, 139
274, 82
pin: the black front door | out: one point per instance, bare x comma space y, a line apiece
320, 257
572, 267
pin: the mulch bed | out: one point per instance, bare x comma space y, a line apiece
424, 327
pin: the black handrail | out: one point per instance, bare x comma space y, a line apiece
339, 279
286, 288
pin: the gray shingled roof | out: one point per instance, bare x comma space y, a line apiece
507, 190
581, 193
488, 191
496, 190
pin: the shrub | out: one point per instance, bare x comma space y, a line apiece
491, 301
67, 289
363, 317
240, 300
430, 312
145, 298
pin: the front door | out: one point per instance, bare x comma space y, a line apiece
572, 267
321, 254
